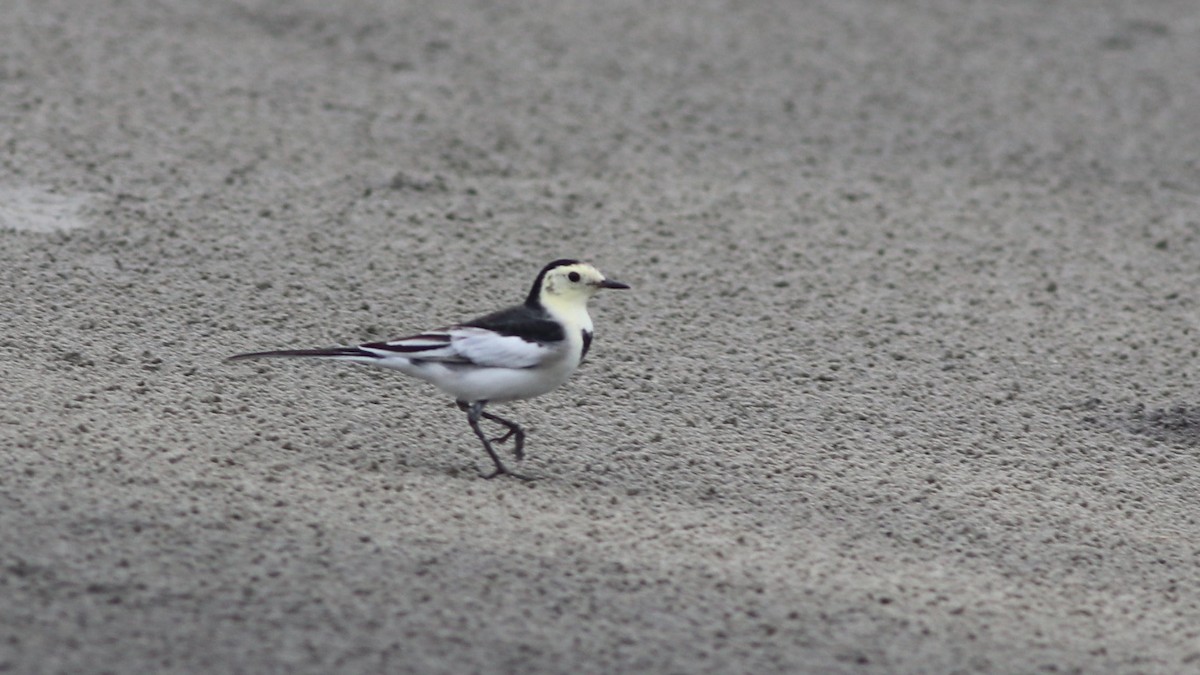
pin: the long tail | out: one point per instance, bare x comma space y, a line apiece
350, 353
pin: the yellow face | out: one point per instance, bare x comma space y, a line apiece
578, 282
574, 284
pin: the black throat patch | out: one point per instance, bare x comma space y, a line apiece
587, 344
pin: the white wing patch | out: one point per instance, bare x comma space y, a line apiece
487, 348
429, 346
467, 345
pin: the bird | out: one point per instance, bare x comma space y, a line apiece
516, 353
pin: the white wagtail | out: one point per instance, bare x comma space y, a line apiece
515, 353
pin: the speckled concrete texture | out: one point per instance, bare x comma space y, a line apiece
907, 382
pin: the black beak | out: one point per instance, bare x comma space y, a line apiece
609, 283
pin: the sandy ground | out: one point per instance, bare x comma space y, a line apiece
907, 383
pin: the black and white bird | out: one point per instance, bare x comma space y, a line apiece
516, 353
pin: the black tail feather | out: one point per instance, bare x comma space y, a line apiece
331, 352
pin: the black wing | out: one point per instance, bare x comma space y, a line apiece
528, 323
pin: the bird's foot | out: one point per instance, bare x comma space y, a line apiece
505, 437
519, 446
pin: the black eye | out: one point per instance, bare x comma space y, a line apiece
573, 276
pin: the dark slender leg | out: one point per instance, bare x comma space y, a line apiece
474, 412
513, 430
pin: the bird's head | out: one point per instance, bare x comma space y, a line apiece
568, 283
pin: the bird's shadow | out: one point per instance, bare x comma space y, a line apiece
1179, 423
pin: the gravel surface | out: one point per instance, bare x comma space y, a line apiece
907, 382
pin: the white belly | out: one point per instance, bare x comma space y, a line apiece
504, 384
474, 383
